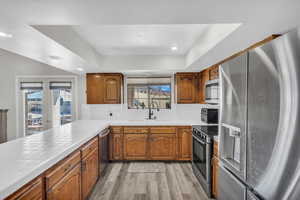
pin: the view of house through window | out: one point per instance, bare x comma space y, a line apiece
61, 102
45, 104
154, 92
33, 106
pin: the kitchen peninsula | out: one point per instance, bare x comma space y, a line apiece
28, 158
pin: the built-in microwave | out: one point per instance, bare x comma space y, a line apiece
212, 91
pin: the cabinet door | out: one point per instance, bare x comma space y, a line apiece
215, 176
214, 72
68, 188
184, 143
112, 89
163, 147
135, 146
116, 147
32, 191
89, 172
204, 76
186, 87
94, 89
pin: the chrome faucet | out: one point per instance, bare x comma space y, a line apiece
150, 110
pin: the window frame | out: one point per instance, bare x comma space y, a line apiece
148, 85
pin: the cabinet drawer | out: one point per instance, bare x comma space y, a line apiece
90, 146
116, 129
136, 130
31, 191
161, 130
59, 170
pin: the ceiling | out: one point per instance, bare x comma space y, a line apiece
147, 39
99, 35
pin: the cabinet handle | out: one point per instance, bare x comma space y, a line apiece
68, 167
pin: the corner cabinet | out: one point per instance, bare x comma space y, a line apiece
104, 88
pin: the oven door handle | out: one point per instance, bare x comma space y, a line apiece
199, 140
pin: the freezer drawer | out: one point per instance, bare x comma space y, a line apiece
229, 187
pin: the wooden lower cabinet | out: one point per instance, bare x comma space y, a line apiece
68, 188
31, 191
162, 146
135, 146
116, 147
184, 143
90, 172
215, 168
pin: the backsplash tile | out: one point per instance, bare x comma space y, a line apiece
121, 112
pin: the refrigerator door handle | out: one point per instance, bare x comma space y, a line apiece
234, 128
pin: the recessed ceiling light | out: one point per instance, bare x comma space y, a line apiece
55, 57
80, 69
6, 35
174, 48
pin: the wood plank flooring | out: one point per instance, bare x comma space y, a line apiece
175, 182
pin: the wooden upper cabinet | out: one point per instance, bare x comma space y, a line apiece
112, 89
187, 87
31, 191
135, 146
162, 146
204, 77
94, 89
213, 72
185, 143
68, 188
104, 88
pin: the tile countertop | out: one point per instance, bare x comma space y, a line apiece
26, 158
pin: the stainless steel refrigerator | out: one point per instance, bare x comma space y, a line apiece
260, 123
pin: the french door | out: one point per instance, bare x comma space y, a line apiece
45, 103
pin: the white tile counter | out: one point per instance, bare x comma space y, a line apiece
26, 158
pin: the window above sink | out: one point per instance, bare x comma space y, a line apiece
145, 92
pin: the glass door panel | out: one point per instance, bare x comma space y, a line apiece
33, 104
61, 106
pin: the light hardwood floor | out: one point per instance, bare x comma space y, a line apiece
174, 181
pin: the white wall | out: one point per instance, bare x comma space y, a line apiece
11, 66
188, 112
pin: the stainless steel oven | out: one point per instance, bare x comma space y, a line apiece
199, 156
202, 154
